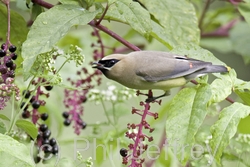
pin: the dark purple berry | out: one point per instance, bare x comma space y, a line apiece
2, 53
48, 149
37, 159
26, 107
13, 67
26, 94
65, 115
39, 135
84, 125
9, 63
3, 69
11, 74
3, 46
12, 48
32, 99
52, 141
44, 116
48, 88
13, 56
35, 104
83, 99
55, 149
45, 141
123, 152
26, 114
43, 127
46, 134
66, 122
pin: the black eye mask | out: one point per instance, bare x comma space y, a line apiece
108, 63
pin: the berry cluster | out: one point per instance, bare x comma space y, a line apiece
47, 144
7, 74
35, 103
139, 146
74, 99
7, 66
30, 109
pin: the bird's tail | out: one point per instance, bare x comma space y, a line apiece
209, 69
216, 69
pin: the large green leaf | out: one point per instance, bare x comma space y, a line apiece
222, 87
28, 127
239, 36
50, 27
242, 89
177, 17
4, 117
18, 26
186, 113
13, 153
225, 128
244, 9
2, 127
131, 13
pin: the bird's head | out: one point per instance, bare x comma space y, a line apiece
108, 62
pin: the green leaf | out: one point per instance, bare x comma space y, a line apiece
4, 117
222, 87
2, 127
239, 37
178, 19
242, 89
50, 27
133, 14
225, 128
244, 9
13, 153
28, 127
163, 35
18, 26
189, 106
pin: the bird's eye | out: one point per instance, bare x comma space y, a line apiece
110, 63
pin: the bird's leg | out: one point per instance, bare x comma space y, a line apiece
152, 98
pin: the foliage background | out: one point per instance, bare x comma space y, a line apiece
233, 50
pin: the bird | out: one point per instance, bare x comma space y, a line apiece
148, 70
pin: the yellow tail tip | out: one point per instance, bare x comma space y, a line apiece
228, 68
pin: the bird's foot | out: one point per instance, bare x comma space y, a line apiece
152, 99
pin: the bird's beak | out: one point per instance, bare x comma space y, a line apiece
97, 65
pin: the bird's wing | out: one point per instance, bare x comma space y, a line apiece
169, 67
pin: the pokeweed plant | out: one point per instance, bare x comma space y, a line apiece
42, 56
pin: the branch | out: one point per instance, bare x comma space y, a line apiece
222, 31
114, 35
43, 3
203, 14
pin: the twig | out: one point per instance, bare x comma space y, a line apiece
43, 3
114, 35
203, 14
222, 31
105, 11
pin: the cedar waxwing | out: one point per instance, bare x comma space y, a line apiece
145, 70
